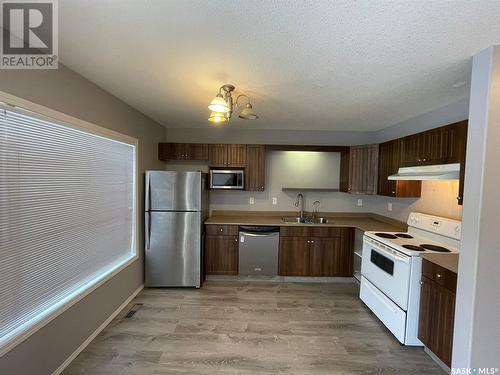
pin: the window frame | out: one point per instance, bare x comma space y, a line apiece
22, 106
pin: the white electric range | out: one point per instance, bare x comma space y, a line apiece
391, 269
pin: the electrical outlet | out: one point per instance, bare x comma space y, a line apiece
389, 206
360, 202
251, 200
275, 201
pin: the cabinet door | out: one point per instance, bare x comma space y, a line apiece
171, 151
363, 169
344, 171
221, 255
344, 266
325, 256
256, 168
196, 151
217, 155
294, 256
389, 163
237, 155
436, 319
411, 147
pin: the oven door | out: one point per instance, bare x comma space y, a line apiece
387, 269
226, 179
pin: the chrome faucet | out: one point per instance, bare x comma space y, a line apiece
299, 202
316, 205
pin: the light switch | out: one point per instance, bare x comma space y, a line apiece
389, 206
275, 201
251, 200
360, 202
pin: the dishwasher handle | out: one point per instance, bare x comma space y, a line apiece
262, 234
248, 230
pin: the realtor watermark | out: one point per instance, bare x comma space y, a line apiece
474, 370
29, 34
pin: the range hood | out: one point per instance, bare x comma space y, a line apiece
428, 172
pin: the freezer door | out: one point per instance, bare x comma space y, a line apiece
173, 191
173, 249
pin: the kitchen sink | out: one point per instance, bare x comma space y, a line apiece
293, 219
305, 220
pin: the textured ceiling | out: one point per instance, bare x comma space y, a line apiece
330, 65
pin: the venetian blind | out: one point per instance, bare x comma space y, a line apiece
67, 216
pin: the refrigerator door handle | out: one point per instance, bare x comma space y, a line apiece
147, 229
148, 193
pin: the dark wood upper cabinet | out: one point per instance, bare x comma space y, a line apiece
443, 145
217, 155
182, 151
363, 169
256, 168
437, 311
224, 155
344, 171
389, 162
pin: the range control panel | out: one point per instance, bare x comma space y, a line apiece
443, 226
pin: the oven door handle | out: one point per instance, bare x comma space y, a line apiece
393, 254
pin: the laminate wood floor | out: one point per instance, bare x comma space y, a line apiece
250, 328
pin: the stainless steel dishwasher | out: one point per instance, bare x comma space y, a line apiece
259, 250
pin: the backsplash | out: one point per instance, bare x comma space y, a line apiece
438, 197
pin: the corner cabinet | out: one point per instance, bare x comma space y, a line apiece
221, 250
389, 161
314, 251
256, 168
363, 169
437, 310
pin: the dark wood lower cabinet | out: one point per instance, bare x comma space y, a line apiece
294, 256
327, 254
437, 315
221, 255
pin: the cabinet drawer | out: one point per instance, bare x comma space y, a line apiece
222, 230
310, 231
440, 275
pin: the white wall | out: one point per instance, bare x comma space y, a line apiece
477, 324
314, 169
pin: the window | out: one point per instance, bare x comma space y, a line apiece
67, 216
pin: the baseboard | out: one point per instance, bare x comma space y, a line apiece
70, 359
437, 360
281, 279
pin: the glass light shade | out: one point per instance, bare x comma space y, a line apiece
219, 105
248, 113
217, 117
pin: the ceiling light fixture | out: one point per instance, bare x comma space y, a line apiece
221, 106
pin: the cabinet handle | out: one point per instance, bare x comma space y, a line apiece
221, 229
439, 275
421, 283
235, 240
419, 159
308, 241
424, 159
312, 241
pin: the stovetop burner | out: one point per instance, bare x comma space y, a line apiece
386, 235
440, 249
414, 247
403, 235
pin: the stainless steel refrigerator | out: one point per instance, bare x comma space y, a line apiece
175, 210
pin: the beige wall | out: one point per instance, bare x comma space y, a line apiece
65, 91
322, 170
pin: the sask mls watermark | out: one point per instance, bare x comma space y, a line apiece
29, 34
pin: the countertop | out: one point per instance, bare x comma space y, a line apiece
448, 261
363, 221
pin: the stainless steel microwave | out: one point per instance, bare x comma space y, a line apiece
227, 179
